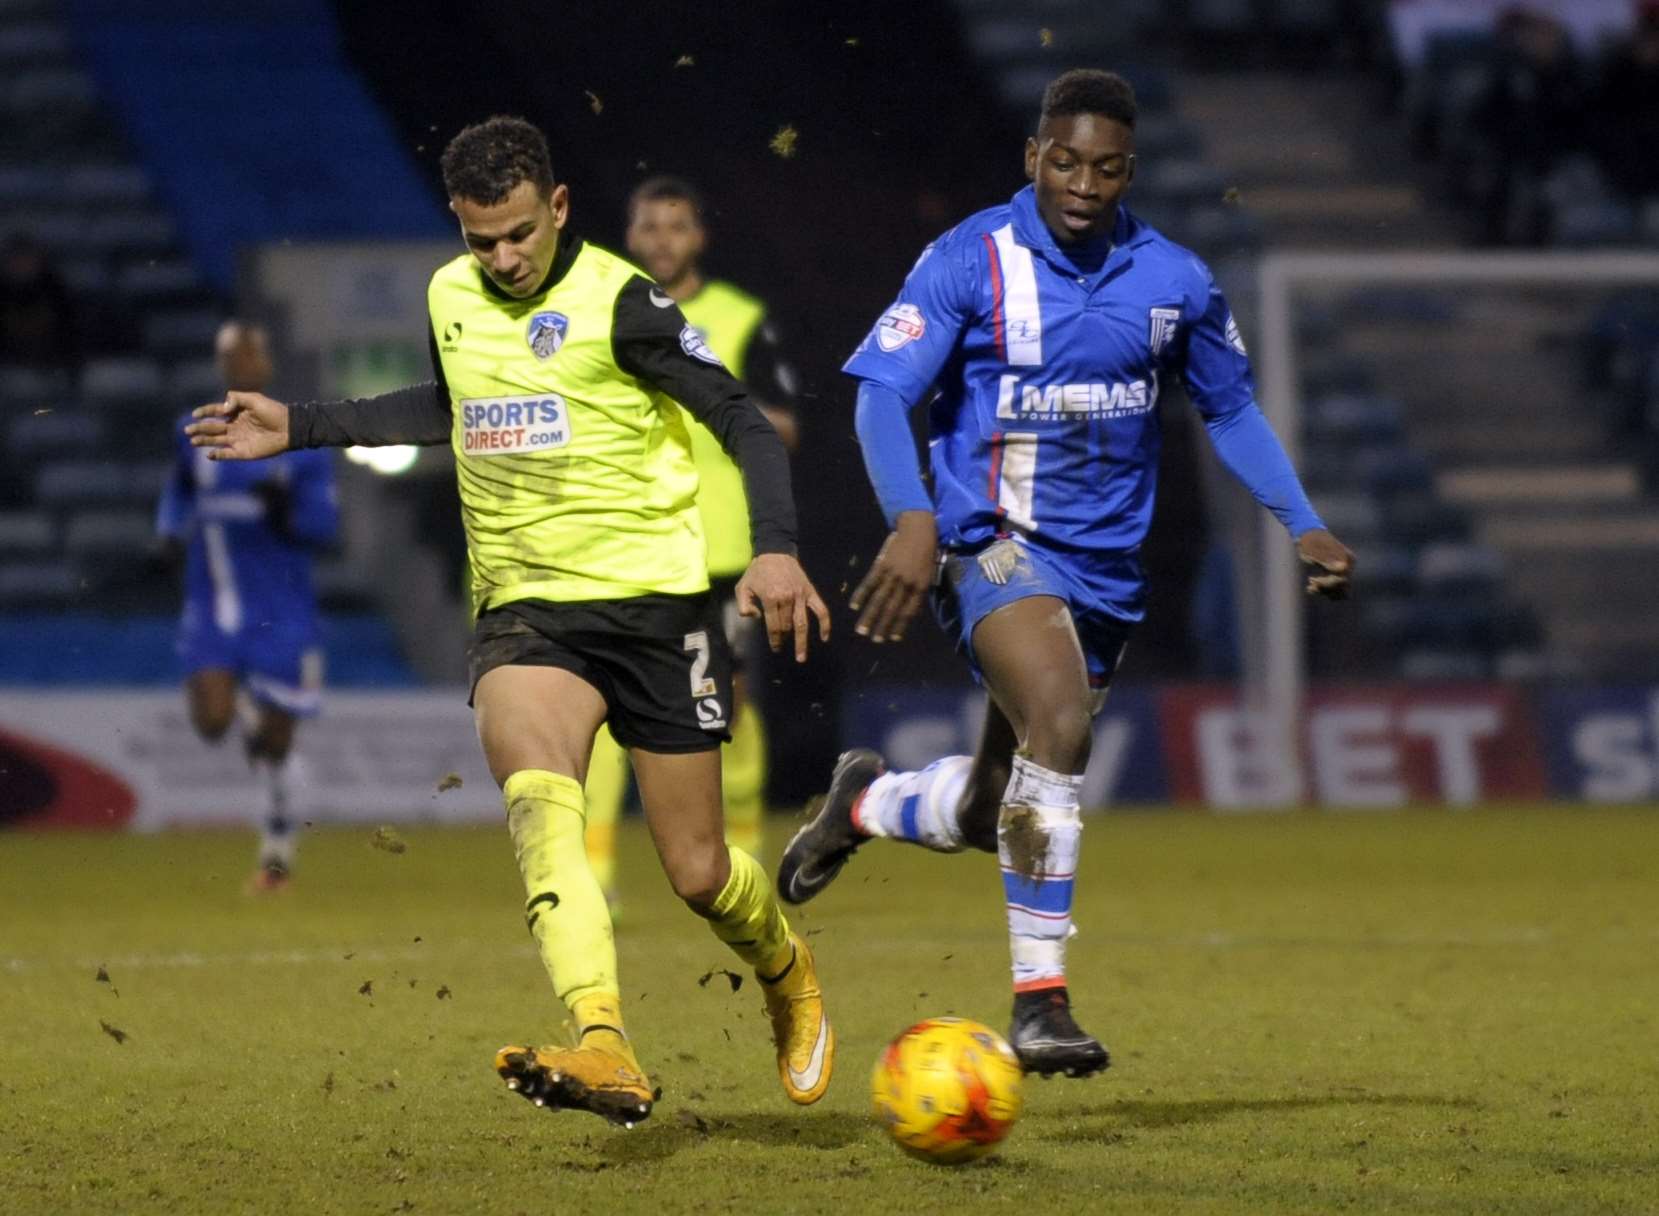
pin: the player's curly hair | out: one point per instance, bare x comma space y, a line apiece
486, 160
665, 186
1090, 91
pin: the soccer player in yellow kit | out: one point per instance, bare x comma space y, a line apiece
667, 237
558, 367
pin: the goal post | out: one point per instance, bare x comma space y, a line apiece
1274, 665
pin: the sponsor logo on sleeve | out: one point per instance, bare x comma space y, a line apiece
546, 333
502, 426
899, 326
696, 344
660, 298
1234, 338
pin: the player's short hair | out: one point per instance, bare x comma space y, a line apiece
488, 159
1090, 91
663, 186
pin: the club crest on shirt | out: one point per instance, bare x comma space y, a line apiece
1164, 322
695, 344
1234, 338
899, 326
547, 333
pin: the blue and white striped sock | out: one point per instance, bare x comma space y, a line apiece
1038, 831
919, 807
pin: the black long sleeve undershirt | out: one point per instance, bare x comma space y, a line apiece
417, 413
651, 340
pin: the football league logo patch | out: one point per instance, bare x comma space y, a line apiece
899, 326
547, 333
697, 346
1164, 322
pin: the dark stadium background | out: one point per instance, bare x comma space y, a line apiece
198, 135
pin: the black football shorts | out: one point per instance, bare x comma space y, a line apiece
661, 662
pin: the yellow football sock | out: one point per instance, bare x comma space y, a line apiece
599, 1024
607, 781
566, 909
743, 776
747, 916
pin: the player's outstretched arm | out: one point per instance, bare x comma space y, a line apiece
244, 426
775, 588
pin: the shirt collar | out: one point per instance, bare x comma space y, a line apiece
569, 246
1030, 231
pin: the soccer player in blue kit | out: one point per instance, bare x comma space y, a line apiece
247, 534
1043, 330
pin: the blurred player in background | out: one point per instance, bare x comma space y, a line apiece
666, 235
247, 534
1047, 325
557, 366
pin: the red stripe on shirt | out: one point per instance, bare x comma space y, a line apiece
997, 329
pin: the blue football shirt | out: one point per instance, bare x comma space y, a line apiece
1048, 376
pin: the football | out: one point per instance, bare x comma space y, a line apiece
947, 1090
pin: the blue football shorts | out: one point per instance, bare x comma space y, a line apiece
973, 584
278, 662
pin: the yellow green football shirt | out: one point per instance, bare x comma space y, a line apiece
576, 478
728, 319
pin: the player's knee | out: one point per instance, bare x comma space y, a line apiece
1058, 735
698, 878
211, 721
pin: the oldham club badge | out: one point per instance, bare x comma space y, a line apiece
547, 333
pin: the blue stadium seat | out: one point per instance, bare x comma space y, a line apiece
32, 583
31, 388
188, 331
101, 185
1384, 570
136, 234
1419, 516
1353, 515
1217, 228
1447, 568
74, 483
1604, 222
29, 186
1183, 181
26, 533
108, 535
33, 44
46, 93
1356, 418
87, 278
1444, 665
66, 431
1221, 18
1393, 470
1319, 18
122, 383
194, 382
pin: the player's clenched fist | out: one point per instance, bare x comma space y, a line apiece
775, 588
898, 580
1330, 563
244, 426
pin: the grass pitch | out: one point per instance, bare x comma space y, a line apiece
1430, 1012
